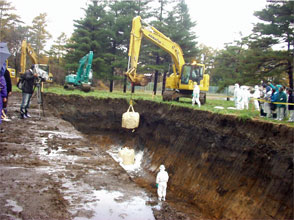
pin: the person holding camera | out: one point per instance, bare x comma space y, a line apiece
28, 79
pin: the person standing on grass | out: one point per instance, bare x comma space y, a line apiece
281, 98
196, 95
256, 95
291, 107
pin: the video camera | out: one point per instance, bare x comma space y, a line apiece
42, 70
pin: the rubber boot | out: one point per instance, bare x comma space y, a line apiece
22, 114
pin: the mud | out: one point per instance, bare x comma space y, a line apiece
65, 165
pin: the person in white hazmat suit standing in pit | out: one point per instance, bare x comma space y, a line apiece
196, 95
161, 181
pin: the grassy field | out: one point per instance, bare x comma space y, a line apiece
213, 100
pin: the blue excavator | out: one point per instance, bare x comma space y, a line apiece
83, 78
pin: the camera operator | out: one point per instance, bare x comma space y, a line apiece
28, 79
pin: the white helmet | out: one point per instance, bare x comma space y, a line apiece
162, 167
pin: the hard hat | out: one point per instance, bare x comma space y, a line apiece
162, 167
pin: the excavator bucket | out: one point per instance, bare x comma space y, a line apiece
85, 87
141, 80
137, 79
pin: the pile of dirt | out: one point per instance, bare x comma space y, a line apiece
223, 166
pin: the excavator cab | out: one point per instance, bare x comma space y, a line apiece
193, 73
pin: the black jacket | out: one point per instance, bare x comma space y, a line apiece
8, 81
29, 81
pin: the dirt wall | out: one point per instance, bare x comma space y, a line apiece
226, 167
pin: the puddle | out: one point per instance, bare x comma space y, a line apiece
60, 134
14, 206
107, 206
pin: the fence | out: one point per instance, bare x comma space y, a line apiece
229, 91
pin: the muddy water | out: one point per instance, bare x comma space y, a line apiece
222, 166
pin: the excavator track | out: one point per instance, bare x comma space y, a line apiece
85, 87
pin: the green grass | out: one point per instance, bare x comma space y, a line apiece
212, 101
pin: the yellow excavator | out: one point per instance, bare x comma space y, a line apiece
180, 80
41, 69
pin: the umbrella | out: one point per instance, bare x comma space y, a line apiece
4, 53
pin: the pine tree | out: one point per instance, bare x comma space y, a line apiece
8, 20
38, 33
278, 19
90, 35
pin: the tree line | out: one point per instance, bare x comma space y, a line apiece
266, 54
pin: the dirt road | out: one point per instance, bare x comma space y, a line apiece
49, 170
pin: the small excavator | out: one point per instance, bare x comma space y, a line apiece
180, 80
83, 78
41, 69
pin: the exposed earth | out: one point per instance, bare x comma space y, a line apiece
65, 164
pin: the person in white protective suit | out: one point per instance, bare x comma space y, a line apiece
256, 95
196, 95
245, 98
161, 181
237, 96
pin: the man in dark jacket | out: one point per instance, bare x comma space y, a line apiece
28, 79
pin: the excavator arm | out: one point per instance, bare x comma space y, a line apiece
83, 72
41, 69
82, 78
27, 49
152, 34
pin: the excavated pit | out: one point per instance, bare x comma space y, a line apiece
220, 165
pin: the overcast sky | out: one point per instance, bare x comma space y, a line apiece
218, 21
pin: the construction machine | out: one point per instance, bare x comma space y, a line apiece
83, 78
11, 70
12, 73
181, 77
41, 69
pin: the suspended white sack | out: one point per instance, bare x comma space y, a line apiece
130, 119
127, 155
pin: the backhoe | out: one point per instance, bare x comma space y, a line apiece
41, 69
181, 78
83, 78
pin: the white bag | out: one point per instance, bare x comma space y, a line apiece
130, 119
127, 155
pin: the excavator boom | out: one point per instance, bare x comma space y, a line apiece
156, 37
41, 69
181, 80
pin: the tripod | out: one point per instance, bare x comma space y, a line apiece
39, 85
